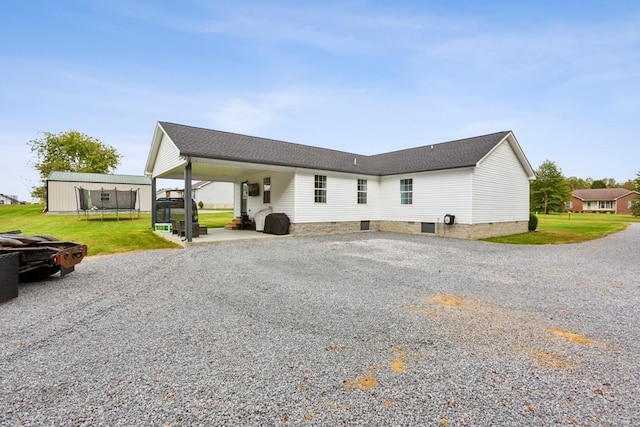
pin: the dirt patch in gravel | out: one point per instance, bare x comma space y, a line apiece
476, 315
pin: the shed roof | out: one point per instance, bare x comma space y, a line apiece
213, 144
13, 199
601, 193
99, 178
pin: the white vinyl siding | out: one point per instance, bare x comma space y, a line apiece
282, 193
342, 203
435, 194
168, 156
500, 188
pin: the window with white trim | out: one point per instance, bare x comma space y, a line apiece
320, 189
266, 190
406, 191
362, 191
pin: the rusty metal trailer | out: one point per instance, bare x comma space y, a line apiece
41, 256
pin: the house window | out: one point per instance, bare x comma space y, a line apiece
320, 188
606, 204
362, 191
630, 204
406, 191
266, 190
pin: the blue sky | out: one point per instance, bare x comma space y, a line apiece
359, 76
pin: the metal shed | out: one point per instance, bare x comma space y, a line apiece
62, 195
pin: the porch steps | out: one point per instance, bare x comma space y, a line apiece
234, 225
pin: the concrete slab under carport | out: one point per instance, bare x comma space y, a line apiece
218, 235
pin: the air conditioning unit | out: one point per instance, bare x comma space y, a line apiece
449, 219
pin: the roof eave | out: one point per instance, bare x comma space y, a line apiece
155, 147
439, 169
186, 154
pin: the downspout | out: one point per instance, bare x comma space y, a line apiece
188, 209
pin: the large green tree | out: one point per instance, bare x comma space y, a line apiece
635, 207
550, 190
576, 183
629, 184
70, 151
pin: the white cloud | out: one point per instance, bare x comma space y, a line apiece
254, 112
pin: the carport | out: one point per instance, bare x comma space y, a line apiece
180, 152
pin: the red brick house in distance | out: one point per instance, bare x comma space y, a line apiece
603, 200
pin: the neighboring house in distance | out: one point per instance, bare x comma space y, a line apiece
479, 185
9, 200
62, 196
170, 192
213, 195
608, 200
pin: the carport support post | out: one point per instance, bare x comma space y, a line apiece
154, 214
188, 209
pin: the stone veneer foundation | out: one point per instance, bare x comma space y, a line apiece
460, 231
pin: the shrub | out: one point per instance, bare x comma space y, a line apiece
200, 204
533, 222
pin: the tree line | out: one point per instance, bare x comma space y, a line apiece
551, 190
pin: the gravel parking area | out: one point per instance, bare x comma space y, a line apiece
369, 329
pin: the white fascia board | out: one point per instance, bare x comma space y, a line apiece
153, 150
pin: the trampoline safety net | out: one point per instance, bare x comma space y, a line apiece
104, 200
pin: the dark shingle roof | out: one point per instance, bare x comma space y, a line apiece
213, 144
601, 193
13, 199
447, 155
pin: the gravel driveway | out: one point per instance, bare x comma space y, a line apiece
368, 329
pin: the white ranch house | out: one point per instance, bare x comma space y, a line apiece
482, 182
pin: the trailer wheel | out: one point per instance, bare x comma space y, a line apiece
39, 274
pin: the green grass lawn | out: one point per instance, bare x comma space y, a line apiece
569, 228
102, 237
110, 236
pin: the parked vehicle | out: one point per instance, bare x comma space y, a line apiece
41, 256
172, 208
